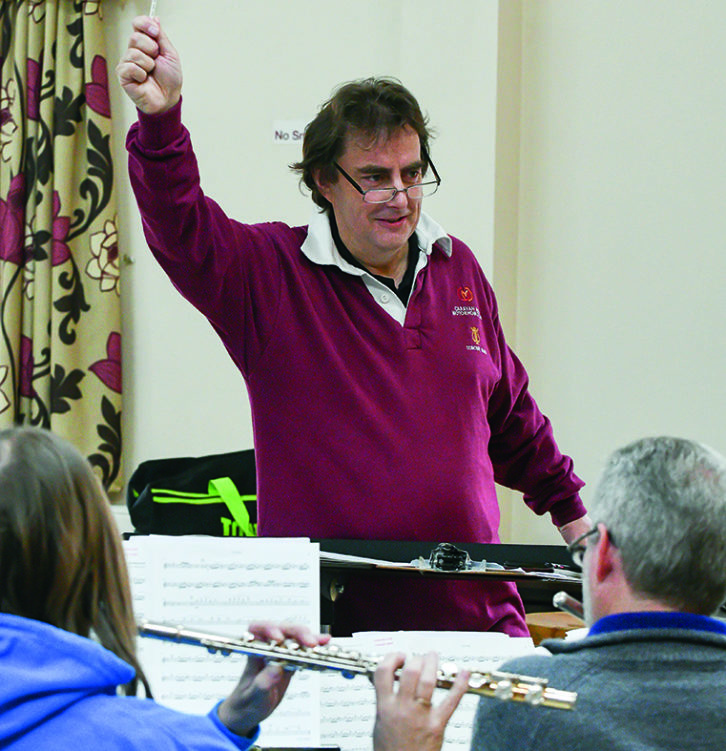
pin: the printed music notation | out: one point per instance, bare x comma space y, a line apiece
223, 585
348, 710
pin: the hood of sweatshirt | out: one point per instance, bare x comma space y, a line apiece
46, 669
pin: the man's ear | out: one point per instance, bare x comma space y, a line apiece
605, 556
322, 183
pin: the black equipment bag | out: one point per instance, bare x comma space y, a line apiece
206, 495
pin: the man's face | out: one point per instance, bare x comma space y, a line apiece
377, 234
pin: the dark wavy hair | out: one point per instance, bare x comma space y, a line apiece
61, 558
372, 107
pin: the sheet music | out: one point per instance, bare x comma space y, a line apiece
220, 585
348, 706
345, 559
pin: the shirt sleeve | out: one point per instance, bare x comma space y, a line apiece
218, 264
241, 742
522, 448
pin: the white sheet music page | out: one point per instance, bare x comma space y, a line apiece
348, 706
220, 585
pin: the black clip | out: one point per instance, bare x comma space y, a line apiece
447, 557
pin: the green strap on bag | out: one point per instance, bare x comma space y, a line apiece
220, 489
227, 491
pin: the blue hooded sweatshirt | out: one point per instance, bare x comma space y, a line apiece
58, 691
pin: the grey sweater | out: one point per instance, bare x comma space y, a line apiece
638, 690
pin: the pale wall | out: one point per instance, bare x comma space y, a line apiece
621, 297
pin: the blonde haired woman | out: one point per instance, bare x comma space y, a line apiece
70, 673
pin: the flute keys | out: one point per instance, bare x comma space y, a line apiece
449, 669
503, 690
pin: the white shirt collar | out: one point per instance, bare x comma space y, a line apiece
319, 246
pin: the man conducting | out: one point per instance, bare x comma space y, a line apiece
651, 673
385, 400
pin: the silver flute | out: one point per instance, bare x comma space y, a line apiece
292, 656
568, 604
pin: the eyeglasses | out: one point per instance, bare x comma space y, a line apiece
384, 195
576, 549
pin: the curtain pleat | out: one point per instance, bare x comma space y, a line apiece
60, 312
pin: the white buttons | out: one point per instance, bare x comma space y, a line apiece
387, 300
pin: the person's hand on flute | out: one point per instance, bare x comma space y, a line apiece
263, 683
407, 719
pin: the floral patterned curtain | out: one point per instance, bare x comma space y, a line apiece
60, 314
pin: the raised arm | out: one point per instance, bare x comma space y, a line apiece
220, 265
150, 70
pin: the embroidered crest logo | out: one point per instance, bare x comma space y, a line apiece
475, 335
465, 294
